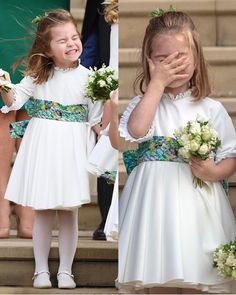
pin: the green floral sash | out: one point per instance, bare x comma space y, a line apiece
158, 148
49, 110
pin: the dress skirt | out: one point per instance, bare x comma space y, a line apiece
111, 225
50, 168
169, 229
104, 158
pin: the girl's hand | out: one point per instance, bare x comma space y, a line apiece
205, 170
110, 108
97, 129
170, 69
5, 81
4, 75
114, 99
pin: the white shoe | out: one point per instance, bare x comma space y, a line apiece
65, 280
42, 280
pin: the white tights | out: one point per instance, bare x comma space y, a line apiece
42, 237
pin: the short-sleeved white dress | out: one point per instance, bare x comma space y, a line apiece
168, 229
50, 168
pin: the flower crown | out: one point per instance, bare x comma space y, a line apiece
39, 18
159, 12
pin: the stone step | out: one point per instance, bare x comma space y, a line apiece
30, 290
95, 263
89, 217
214, 19
222, 70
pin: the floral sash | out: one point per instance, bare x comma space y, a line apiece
158, 148
49, 110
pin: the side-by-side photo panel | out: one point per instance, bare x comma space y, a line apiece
177, 161
59, 147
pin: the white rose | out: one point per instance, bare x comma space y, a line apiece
194, 145
184, 140
221, 254
206, 135
109, 80
177, 133
203, 150
230, 261
195, 128
101, 83
102, 70
184, 153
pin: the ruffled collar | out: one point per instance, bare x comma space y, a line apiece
181, 95
64, 70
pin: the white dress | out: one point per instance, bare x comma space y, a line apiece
104, 157
50, 168
168, 229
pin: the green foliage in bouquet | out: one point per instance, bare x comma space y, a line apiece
197, 139
224, 259
100, 83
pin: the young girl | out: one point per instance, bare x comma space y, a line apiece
49, 172
105, 156
168, 228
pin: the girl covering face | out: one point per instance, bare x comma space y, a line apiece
168, 228
50, 171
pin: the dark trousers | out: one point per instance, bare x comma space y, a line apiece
105, 191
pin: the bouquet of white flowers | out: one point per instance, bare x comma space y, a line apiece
224, 259
197, 139
100, 83
4, 84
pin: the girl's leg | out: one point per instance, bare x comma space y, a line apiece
68, 240
6, 151
25, 214
42, 236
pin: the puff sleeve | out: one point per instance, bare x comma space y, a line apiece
224, 126
123, 127
22, 92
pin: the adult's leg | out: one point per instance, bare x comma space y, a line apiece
6, 152
25, 214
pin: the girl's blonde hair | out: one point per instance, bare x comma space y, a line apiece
38, 64
111, 11
175, 22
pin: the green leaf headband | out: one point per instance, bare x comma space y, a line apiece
159, 12
39, 18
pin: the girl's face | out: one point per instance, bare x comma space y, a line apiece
65, 45
165, 45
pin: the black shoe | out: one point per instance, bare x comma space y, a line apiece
99, 235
